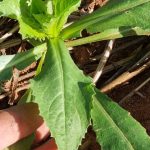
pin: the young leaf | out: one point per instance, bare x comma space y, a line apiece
20, 61
62, 102
39, 19
115, 128
61, 10
114, 15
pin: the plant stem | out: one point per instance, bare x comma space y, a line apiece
107, 35
92, 38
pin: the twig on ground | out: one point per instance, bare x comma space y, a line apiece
124, 77
111, 67
126, 66
19, 89
140, 94
22, 85
103, 61
135, 91
124, 46
10, 33
22, 88
10, 43
26, 76
2, 96
138, 63
13, 87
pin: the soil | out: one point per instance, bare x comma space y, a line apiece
87, 58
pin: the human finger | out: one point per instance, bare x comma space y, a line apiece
18, 122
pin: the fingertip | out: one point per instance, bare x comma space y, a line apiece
18, 122
41, 133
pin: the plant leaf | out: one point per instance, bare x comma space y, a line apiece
22, 10
30, 27
61, 10
115, 128
9, 10
62, 102
39, 19
20, 61
114, 15
106, 35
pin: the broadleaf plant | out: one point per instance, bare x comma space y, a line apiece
67, 112
67, 99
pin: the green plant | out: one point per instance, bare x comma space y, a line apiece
67, 99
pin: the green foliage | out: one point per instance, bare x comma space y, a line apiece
65, 111
20, 61
61, 11
122, 15
23, 11
67, 99
115, 128
9, 10
107, 35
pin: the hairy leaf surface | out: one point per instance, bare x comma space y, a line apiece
114, 15
62, 102
115, 128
